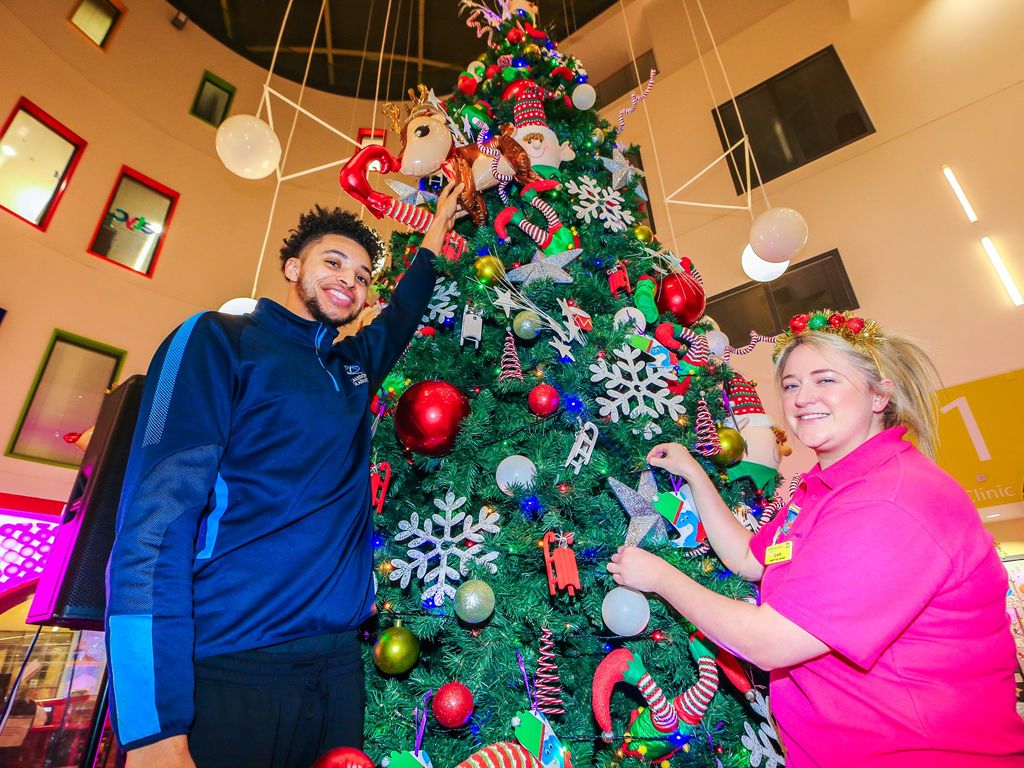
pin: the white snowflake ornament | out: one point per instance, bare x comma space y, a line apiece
598, 203
635, 389
760, 741
442, 303
460, 537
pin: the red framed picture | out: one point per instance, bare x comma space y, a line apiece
134, 224
38, 155
368, 136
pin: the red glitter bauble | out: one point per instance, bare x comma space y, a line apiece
683, 296
837, 321
453, 705
344, 757
798, 324
515, 36
428, 416
467, 85
543, 400
855, 325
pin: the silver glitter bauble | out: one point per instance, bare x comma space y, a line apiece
474, 601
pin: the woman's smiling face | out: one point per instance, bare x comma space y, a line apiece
828, 404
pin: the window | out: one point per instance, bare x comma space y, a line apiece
641, 189
767, 307
65, 399
624, 80
213, 99
797, 116
96, 19
37, 157
132, 229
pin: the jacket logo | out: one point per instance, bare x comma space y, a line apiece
356, 375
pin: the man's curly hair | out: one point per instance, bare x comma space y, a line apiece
319, 222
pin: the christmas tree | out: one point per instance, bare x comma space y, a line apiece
509, 455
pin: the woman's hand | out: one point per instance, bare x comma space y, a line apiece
676, 459
638, 569
444, 218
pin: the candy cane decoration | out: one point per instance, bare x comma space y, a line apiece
708, 443
634, 100
549, 690
776, 505
755, 339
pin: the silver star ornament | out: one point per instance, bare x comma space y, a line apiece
544, 268
620, 169
644, 520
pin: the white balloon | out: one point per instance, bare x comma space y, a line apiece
584, 96
625, 611
248, 147
778, 234
759, 269
717, 342
242, 305
516, 471
632, 317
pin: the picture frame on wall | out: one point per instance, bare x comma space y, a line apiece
213, 99
132, 229
64, 399
38, 156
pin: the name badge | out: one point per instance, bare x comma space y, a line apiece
779, 553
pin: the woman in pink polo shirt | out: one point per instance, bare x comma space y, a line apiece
882, 616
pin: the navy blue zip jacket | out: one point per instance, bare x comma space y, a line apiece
245, 514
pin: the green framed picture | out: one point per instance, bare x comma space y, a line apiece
213, 99
64, 399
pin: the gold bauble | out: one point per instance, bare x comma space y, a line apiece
532, 50
733, 447
489, 269
397, 650
643, 234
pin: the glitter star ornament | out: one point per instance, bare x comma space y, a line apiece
544, 268
644, 520
620, 169
412, 195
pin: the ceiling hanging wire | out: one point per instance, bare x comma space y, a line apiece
273, 61
650, 125
362, 63
408, 47
394, 44
288, 144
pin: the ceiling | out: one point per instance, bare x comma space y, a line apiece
427, 40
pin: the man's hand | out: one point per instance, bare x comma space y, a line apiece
444, 218
640, 570
168, 753
676, 459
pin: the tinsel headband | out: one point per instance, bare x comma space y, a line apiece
864, 335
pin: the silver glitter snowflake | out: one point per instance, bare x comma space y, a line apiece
429, 551
442, 303
759, 742
598, 203
635, 389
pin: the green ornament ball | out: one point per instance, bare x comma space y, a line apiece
508, 74
397, 650
526, 325
817, 322
474, 601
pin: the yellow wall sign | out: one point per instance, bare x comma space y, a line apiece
981, 442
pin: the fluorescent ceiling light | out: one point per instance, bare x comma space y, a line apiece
959, 192
991, 516
1002, 271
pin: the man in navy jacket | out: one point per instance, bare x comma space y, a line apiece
242, 562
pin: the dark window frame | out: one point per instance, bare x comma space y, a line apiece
735, 157
114, 25
779, 323
216, 82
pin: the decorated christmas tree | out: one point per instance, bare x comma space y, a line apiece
561, 344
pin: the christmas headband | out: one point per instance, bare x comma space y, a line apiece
862, 334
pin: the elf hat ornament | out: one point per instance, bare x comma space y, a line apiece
529, 107
746, 403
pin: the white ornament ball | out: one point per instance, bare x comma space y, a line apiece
584, 96
242, 305
248, 147
625, 611
717, 342
778, 234
516, 471
631, 317
759, 269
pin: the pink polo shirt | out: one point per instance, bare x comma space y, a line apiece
893, 571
